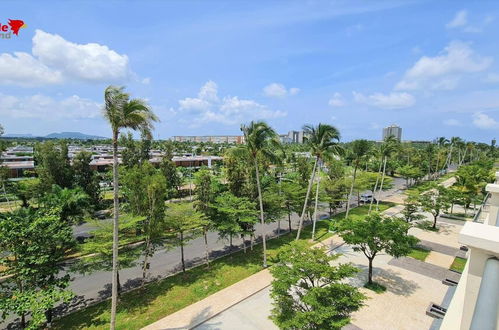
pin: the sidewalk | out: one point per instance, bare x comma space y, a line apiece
203, 310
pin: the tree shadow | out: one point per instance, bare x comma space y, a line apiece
389, 278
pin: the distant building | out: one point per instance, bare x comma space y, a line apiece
292, 137
392, 130
238, 139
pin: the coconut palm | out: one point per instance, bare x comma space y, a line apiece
260, 142
122, 112
322, 140
360, 149
387, 148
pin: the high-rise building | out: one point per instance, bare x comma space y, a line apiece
392, 130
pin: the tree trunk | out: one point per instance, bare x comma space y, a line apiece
207, 251
435, 221
114, 291
48, 316
279, 227
146, 259
381, 185
262, 217
182, 250
375, 186
370, 273
316, 202
118, 283
312, 176
351, 190
289, 220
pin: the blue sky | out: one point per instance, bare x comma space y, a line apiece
207, 66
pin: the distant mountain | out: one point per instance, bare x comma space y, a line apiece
73, 135
62, 135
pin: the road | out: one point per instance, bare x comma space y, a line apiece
90, 288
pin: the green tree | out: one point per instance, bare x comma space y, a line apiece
26, 190
33, 245
53, 166
72, 204
389, 146
293, 194
260, 142
411, 209
234, 216
322, 141
434, 201
173, 179
375, 234
184, 223
359, 150
309, 293
122, 112
85, 177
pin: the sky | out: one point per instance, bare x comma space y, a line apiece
206, 67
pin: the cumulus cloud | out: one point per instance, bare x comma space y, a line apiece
55, 60
279, 90
386, 101
46, 107
337, 100
228, 110
444, 70
460, 19
483, 121
452, 122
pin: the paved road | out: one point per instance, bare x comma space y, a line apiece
96, 286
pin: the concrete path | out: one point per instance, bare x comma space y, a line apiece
439, 259
203, 310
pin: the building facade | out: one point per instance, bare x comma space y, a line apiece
392, 130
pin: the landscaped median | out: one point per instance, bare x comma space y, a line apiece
156, 300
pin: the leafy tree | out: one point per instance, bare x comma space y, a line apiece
122, 112
34, 245
85, 177
411, 209
375, 234
389, 146
322, 141
434, 201
293, 194
308, 293
72, 204
144, 188
173, 179
261, 142
53, 166
359, 150
234, 215
409, 172
184, 223
98, 249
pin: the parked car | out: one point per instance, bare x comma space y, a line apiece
367, 198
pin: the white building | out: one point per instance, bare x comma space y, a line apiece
392, 130
475, 304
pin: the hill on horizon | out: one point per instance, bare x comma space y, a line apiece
61, 135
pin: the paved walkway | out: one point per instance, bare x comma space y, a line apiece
439, 259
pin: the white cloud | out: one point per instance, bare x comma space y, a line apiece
279, 90
461, 19
481, 120
337, 100
46, 107
55, 60
146, 81
386, 101
444, 70
452, 122
229, 110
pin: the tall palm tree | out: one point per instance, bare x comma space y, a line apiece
260, 142
322, 140
387, 148
122, 112
360, 148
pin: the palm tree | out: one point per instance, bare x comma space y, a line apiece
387, 148
322, 140
360, 148
122, 112
260, 142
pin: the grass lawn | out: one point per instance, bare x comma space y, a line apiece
376, 287
156, 300
458, 264
419, 253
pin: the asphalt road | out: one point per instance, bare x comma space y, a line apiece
97, 286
